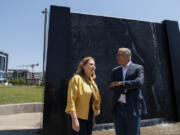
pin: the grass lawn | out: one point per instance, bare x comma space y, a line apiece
13, 95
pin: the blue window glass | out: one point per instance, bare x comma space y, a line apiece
2, 63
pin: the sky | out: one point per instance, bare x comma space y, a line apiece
22, 23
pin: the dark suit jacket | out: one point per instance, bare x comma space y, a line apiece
134, 97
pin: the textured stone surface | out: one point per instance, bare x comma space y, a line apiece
100, 37
54, 121
173, 36
73, 36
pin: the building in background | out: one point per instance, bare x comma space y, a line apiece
35, 77
9, 74
19, 73
38, 75
3, 66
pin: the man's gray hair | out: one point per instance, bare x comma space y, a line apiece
125, 51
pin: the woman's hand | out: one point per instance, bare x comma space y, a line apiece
94, 121
75, 122
75, 125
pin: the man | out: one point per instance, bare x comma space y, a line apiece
128, 102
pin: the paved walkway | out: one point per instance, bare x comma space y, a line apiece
20, 124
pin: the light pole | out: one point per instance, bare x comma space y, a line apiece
45, 11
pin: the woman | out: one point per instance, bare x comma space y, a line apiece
83, 100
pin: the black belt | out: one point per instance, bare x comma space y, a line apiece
121, 103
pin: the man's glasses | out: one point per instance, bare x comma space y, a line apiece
122, 53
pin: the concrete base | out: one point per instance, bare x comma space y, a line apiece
21, 108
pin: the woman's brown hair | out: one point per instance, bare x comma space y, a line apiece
80, 70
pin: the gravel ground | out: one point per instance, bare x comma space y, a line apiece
163, 129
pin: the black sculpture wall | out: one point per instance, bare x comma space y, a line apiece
173, 37
73, 36
57, 72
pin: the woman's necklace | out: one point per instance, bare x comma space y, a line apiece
92, 88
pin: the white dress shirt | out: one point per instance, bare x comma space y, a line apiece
122, 97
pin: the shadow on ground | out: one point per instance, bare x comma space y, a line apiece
20, 132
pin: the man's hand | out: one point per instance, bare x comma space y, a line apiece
119, 83
115, 84
135, 79
112, 84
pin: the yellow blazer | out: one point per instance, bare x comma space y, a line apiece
78, 98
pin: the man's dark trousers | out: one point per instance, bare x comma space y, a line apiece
125, 123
